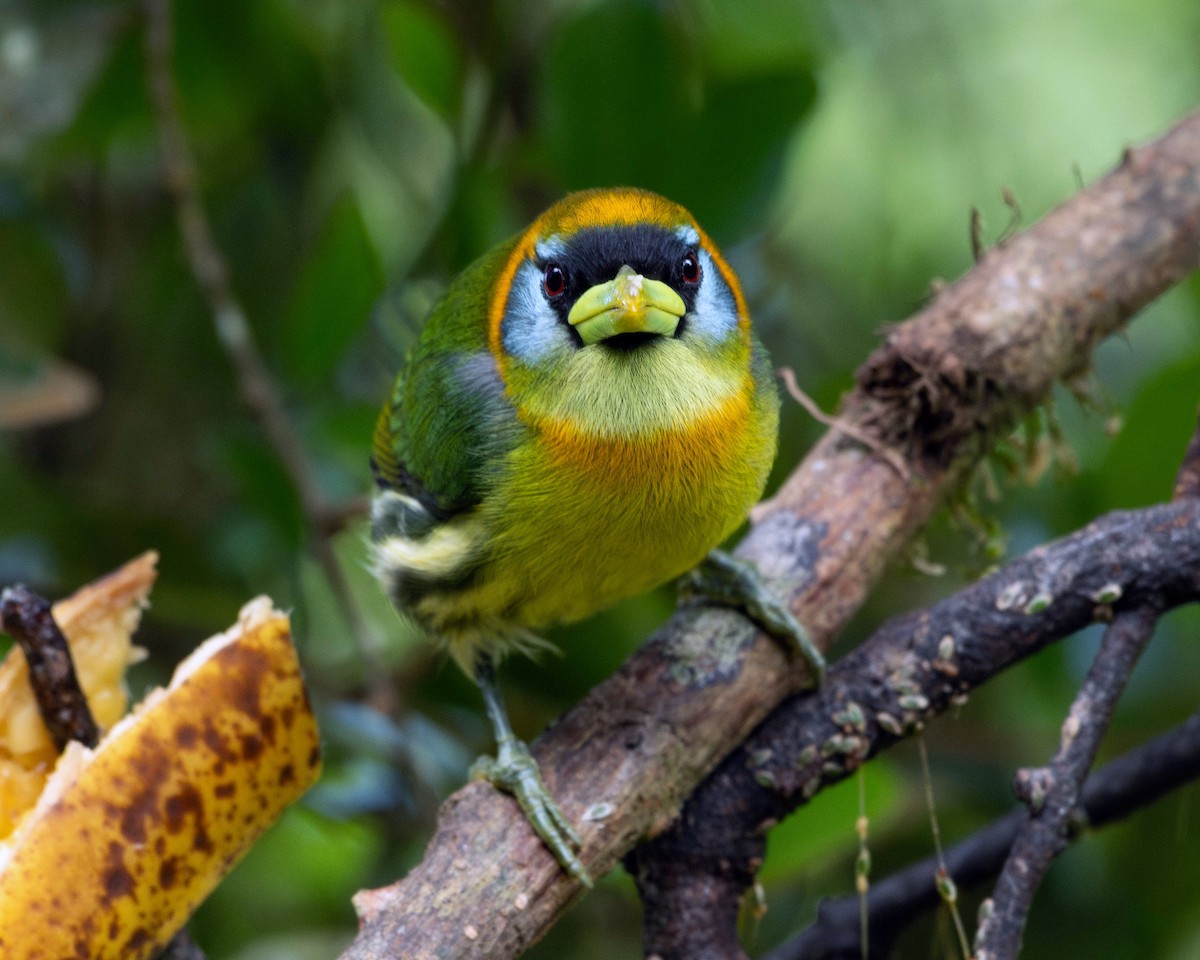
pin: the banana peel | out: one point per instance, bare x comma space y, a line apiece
125, 840
99, 621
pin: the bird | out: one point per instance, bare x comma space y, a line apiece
585, 415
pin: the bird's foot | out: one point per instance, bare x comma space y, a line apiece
723, 579
514, 771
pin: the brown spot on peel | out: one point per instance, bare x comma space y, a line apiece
168, 802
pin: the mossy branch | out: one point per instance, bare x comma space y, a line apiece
909, 671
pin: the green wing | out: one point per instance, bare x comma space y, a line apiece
447, 423
386, 462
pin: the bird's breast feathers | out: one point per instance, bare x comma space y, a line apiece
595, 509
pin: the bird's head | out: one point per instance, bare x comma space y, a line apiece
615, 310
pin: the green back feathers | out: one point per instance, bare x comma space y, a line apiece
385, 459
447, 411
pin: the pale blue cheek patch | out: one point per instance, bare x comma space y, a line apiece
531, 331
715, 317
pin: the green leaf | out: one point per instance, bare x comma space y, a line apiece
33, 288
337, 288
615, 111
628, 99
1142, 462
423, 50
824, 827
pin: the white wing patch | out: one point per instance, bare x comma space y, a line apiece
431, 554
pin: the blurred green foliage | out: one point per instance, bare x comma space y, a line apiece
354, 155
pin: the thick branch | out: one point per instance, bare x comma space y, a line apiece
967, 367
1126, 785
911, 669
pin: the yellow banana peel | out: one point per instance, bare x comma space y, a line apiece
126, 840
98, 621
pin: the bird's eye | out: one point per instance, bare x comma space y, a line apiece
689, 268
554, 282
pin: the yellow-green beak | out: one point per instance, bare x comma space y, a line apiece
629, 303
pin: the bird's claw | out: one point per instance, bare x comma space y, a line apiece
726, 580
514, 771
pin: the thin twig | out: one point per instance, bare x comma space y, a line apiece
258, 389
893, 459
976, 229
1014, 218
862, 867
29, 619
1187, 481
1052, 792
943, 878
1126, 785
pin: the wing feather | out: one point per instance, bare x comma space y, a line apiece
447, 423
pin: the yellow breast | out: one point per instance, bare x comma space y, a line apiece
578, 521
598, 519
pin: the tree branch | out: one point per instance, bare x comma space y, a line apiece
1051, 792
965, 369
911, 669
1127, 784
